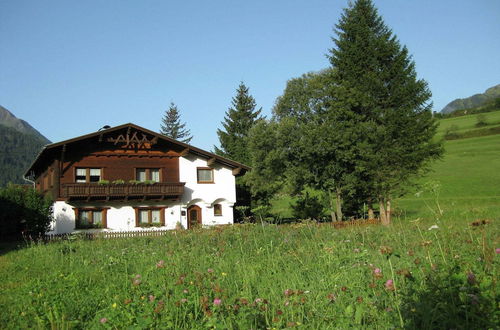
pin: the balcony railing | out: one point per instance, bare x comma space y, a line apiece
118, 191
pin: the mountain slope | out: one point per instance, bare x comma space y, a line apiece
472, 101
8, 119
19, 145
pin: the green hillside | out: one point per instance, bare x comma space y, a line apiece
466, 179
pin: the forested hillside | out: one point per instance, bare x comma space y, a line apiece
19, 145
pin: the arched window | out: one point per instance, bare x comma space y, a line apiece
217, 210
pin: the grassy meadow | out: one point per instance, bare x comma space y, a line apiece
415, 274
436, 266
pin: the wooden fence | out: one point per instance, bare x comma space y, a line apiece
355, 223
108, 234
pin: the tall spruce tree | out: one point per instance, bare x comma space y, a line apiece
240, 117
171, 125
377, 84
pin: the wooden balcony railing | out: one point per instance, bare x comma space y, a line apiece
117, 191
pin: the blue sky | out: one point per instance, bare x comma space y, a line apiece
70, 67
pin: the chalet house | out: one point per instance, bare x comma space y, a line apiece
129, 178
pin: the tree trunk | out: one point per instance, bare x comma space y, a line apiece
382, 214
371, 214
339, 206
332, 213
388, 211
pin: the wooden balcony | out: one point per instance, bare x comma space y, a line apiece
94, 191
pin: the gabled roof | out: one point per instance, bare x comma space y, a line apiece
52, 149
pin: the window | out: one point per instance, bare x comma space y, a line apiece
144, 174
205, 175
147, 217
217, 210
85, 175
90, 218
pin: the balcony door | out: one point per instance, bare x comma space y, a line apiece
194, 216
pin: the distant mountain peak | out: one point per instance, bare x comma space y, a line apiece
472, 101
8, 119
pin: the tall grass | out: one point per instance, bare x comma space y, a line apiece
251, 276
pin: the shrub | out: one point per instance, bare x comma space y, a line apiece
307, 207
103, 182
23, 211
119, 181
451, 133
481, 120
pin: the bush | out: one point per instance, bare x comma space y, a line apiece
481, 120
308, 207
23, 211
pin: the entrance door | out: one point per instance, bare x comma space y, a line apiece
194, 216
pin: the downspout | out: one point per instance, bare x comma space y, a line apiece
30, 181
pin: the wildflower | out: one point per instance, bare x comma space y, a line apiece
344, 288
405, 272
425, 243
151, 298
288, 292
433, 227
471, 278
224, 274
160, 264
356, 250
258, 300
183, 300
331, 297
114, 305
210, 270
159, 307
104, 320
386, 250
377, 273
217, 302
279, 312
389, 285
136, 282
497, 250
185, 291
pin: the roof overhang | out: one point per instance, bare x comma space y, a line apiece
49, 151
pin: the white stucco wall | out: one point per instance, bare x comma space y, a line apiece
121, 215
205, 195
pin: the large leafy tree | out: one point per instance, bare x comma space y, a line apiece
240, 117
318, 138
172, 127
377, 84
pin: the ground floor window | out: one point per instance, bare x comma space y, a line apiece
87, 218
218, 210
149, 217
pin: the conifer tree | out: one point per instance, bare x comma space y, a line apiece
377, 84
171, 125
240, 117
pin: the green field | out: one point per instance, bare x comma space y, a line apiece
257, 277
436, 266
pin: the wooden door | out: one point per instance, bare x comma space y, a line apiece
194, 216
